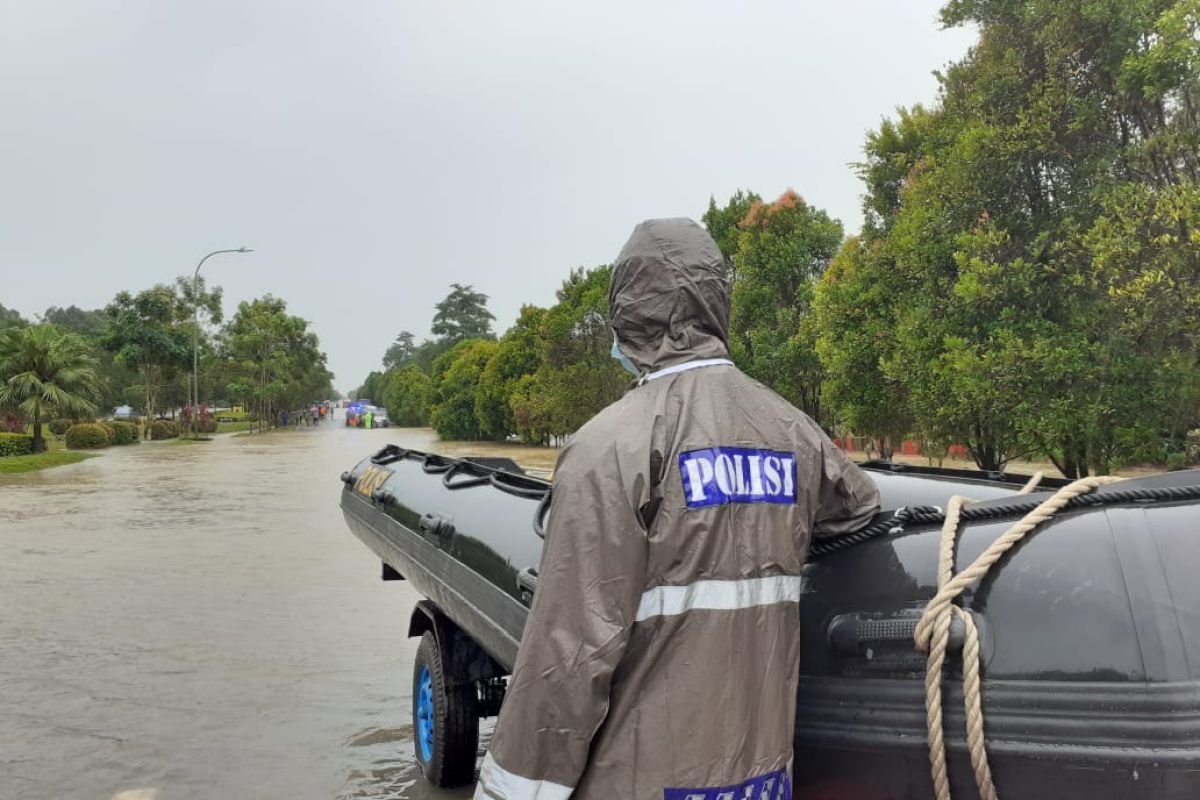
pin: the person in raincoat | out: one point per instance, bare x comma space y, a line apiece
661, 654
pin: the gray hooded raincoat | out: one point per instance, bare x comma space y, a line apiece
661, 655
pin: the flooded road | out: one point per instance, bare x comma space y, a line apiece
195, 621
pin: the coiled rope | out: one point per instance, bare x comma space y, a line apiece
932, 634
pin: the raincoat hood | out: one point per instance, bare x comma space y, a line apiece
669, 299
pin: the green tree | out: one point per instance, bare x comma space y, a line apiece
1022, 224
11, 318
856, 320
400, 352
148, 332
88, 324
408, 396
783, 248
456, 377
372, 388
724, 224
117, 378
519, 354
46, 372
275, 361
578, 376
462, 315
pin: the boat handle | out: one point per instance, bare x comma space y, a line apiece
852, 635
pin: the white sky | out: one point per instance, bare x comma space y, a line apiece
374, 152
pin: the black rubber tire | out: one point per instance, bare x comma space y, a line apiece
455, 723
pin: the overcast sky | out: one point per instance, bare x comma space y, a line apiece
374, 152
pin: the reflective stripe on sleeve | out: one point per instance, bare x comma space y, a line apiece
665, 601
497, 783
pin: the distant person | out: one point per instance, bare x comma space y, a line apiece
661, 656
368, 418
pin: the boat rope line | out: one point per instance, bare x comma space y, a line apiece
929, 515
932, 634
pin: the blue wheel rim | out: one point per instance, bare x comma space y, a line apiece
424, 701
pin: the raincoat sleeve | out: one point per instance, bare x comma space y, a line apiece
589, 585
848, 497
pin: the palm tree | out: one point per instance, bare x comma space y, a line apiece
44, 372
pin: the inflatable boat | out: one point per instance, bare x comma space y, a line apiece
1088, 629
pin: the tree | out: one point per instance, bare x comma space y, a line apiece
400, 352
88, 324
1027, 226
372, 388
46, 372
856, 320
11, 318
723, 223
116, 377
783, 248
578, 376
519, 354
147, 331
276, 363
408, 396
456, 377
463, 314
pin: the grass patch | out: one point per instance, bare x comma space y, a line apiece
234, 427
52, 458
181, 441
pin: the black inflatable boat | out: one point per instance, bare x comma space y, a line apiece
1090, 628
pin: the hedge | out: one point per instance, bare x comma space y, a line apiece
59, 426
125, 432
15, 444
111, 427
88, 436
163, 429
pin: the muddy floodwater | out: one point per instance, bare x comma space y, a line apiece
195, 621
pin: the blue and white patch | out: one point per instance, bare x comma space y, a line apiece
721, 475
772, 786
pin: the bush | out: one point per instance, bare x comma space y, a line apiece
125, 432
1176, 461
59, 426
88, 436
111, 427
131, 419
15, 444
206, 425
163, 429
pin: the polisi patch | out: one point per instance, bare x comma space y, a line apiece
721, 475
772, 786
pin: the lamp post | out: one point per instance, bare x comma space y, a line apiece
196, 334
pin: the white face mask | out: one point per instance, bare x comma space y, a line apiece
624, 360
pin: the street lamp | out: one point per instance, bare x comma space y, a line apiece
196, 334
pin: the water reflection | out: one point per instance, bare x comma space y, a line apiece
195, 622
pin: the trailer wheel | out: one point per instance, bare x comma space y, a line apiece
445, 724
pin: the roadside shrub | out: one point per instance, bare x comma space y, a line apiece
111, 427
206, 425
163, 429
1176, 461
88, 436
59, 426
125, 432
11, 423
15, 444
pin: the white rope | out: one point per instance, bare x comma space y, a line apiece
933, 631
